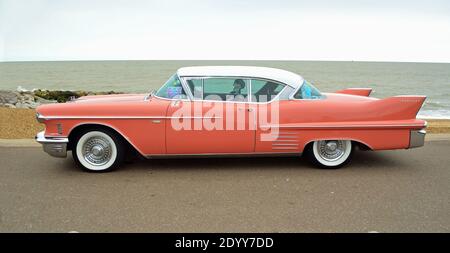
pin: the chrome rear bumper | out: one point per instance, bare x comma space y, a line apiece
56, 147
417, 138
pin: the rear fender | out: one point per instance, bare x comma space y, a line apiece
398, 107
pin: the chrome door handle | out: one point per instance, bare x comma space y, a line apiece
156, 121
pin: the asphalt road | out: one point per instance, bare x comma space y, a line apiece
388, 191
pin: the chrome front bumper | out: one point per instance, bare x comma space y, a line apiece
417, 138
56, 147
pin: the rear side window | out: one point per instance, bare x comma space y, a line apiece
308, 91
264, 91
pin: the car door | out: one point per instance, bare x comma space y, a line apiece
218, 119
271, 98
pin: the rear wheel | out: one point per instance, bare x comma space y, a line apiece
98, 150
330, 154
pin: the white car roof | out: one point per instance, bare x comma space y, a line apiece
279, 75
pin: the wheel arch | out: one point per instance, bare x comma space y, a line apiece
355, 142
84, 126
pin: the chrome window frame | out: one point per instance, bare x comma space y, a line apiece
191, 95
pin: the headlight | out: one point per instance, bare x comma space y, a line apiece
39, 118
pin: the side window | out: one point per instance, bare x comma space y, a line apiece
172, 89
264, 91
225, 89
308, 91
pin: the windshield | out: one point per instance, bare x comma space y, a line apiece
172, 89
308, 91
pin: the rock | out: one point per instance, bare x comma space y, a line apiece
60, 96
28, 97
8, 97
20, 89
21, 105
31, 104
44, 101
31, 99
7, 105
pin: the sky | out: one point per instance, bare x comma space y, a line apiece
383, 30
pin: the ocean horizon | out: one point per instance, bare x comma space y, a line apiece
385, 78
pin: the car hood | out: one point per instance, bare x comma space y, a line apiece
106, 105
109, 98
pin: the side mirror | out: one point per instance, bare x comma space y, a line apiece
150, 95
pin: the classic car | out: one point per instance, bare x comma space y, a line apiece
230, 111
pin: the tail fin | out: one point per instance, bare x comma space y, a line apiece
399, 107
365, 92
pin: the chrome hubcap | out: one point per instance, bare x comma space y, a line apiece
331, 150
97, 150
331, 146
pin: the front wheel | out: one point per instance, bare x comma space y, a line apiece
98, 150
330, 154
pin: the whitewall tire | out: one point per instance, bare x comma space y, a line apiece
98, 150
330, 154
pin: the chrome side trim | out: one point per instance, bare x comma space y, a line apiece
300, 126
417, 138
215, 155
285, 148
280, 137
172, 99
56, 147
275, 141
289, 133
284, 144
286, 140
124, 117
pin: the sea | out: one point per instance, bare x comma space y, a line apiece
385, 78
